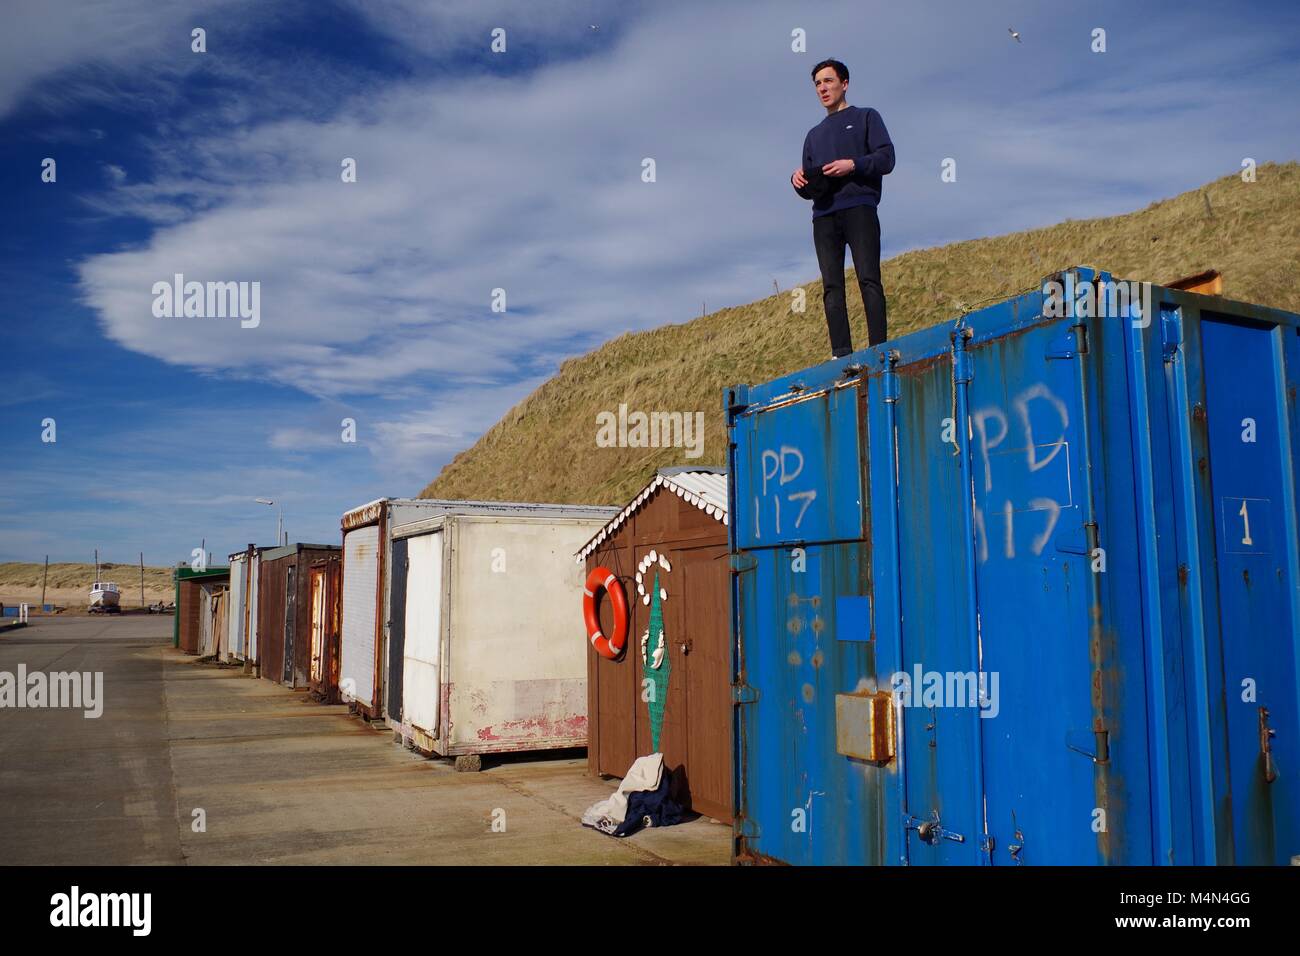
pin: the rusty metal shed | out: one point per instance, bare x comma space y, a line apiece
284, 611
674, 534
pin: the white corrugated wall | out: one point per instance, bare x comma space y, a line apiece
360, 588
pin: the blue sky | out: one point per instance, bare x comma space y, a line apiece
518, 170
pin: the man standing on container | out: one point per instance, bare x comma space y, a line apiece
844, 158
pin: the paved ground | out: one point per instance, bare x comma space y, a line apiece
279, 779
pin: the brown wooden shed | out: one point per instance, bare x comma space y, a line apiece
675, 528
284, 608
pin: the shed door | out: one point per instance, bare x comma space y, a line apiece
421, 683
360, 591
705, 584
396, 629
290, 612
235, 641
255, 569
317, 623
1255, 546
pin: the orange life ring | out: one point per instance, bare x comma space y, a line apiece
609, 647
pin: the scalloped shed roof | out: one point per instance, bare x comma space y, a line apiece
707, 490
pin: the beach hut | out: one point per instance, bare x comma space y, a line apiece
194, 590
284, 611
483, 650
669, 689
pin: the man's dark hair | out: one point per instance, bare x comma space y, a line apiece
840, 69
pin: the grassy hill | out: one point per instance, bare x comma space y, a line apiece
544, 449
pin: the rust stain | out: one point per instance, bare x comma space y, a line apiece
536, 727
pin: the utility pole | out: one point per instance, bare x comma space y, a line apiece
45, 580
142, 579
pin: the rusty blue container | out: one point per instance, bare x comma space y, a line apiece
1024, 588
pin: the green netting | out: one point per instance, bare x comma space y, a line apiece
657, 676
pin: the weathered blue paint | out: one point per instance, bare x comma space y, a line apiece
937, 506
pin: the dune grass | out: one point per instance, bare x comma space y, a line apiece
544, 449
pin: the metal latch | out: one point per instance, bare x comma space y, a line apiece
1266, 735
931, 831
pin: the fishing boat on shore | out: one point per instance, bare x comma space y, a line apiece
104, 596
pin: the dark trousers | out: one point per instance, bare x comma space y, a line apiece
858, 227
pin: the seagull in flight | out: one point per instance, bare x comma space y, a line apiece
1014, 35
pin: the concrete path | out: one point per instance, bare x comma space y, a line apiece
278, 778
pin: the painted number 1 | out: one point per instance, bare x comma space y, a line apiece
1245, 517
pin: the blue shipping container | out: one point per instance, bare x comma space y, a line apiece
1024, 588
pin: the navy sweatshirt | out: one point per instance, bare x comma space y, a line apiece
851, 133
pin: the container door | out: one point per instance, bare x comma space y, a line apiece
290, 608
1252, 464
396, 629
1035, 587
801, 594
421, 682
360, 592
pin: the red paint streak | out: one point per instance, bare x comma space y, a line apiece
575, 726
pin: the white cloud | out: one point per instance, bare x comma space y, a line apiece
57, 51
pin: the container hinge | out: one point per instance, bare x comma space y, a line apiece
735, 399
889, 379
744, 694
1171, 337
742, 561
1093, 744
745, 828
963, 369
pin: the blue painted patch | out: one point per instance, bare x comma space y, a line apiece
853, 617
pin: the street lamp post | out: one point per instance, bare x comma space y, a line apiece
279, 520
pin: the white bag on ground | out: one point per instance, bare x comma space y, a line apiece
644, 774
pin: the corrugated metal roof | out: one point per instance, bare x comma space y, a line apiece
497, 509
275, 554
704, 488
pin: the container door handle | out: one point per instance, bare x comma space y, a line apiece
931, 831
